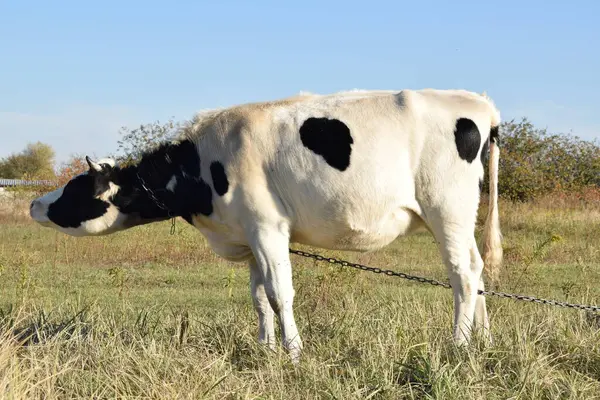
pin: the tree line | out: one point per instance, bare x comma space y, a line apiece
533, 162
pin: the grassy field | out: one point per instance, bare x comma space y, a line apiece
143, 314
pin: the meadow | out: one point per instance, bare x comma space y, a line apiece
145, 314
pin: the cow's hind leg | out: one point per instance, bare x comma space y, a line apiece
266, 330
481, 315
271, 250
454, 236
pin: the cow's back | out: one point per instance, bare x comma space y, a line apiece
348, 170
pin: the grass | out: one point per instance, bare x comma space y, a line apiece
143, 314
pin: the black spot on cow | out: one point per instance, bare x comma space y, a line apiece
192, 196
170, 159
144, 185
484, 152
494, 135
77, 203
186, 155
329, 138
467, 138
480, 185
220, 182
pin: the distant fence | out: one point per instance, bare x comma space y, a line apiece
22, 182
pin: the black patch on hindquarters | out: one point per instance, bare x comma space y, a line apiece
467, 139
329, 138
495, 135
484, 152
494, 138
219, 178
78, 203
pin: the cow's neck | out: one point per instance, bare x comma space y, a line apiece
167, 183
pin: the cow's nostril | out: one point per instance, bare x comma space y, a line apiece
31, 205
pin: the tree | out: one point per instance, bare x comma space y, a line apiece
36, 161
74, 166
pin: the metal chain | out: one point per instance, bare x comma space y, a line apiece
173, 226
442, 284
151, 194
371, 269
157, 202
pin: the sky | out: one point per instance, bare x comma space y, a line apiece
72, 73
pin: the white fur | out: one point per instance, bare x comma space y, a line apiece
39, 206
112, 190
97, 165
111, 221
172, 183
404, 175
108, 161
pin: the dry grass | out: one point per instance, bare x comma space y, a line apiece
142, 314
14, 207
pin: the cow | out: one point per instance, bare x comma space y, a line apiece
349, 171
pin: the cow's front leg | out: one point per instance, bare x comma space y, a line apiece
266, 330
271, 250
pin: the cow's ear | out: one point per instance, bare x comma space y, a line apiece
98, 168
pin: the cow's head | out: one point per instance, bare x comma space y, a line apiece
102, 200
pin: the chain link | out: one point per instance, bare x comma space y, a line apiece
151, 194
157, 202
173, 226
434, 282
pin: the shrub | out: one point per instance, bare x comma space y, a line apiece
534, 163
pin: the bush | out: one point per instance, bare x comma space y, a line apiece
534, 163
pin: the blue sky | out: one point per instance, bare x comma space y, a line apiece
73, 72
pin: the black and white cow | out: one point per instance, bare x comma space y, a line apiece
347, 171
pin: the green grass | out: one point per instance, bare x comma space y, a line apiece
143, 314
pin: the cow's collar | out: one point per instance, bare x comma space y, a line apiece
156, 201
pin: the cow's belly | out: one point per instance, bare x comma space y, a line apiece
358, 228
351, 238
361, 211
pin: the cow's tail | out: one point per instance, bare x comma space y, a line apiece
492, 236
